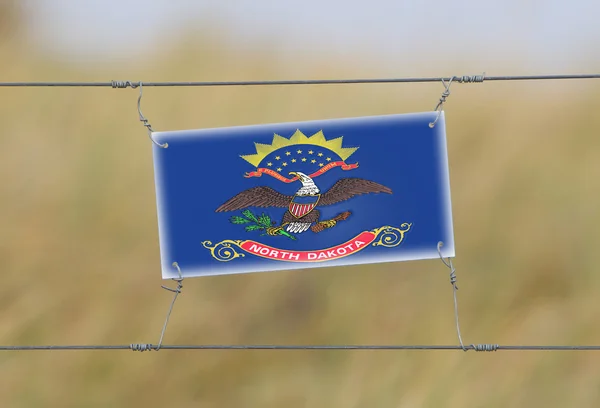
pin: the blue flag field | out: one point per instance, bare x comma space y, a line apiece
303, 195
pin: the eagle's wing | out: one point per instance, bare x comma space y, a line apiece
349, 187
256, 197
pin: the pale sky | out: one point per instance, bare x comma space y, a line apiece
545, 36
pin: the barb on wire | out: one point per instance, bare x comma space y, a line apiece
460, 79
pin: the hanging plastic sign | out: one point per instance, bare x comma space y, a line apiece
303, 195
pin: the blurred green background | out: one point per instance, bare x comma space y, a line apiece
80, 257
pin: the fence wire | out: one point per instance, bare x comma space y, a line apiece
459, 79
151, 347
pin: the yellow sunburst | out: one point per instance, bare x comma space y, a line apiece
299, 138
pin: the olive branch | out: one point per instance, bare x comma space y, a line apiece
260, 223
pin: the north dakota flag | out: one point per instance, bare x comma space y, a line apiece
302, 195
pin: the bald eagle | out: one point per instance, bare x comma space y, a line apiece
301, 214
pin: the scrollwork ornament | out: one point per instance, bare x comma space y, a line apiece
224, 251
390, 236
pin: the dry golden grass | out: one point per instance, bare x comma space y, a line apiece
79, 249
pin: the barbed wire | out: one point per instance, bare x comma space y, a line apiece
459, 79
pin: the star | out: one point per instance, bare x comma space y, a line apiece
284, 164
277, 157
299, 152
328, 159
320, 164
287, 153
310, 152
304, 159
279, 169
293, 160
313, 161
320, 154
269, 164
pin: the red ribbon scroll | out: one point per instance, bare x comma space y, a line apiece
350, 247
259, 172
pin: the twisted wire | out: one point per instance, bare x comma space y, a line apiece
142, 347
145, 122
469, 79
125, 84
443, 98
476, 347
485, 347
454, 290
177, 291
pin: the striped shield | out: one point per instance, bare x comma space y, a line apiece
302, 205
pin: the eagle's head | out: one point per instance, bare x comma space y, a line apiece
308, 185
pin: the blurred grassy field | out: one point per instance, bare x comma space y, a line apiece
80, 257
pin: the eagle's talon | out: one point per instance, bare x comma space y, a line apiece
329, 223
273, 230
323, 225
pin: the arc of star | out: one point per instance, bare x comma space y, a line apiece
320, 164
269, 164
293, 160
304, 159
328, 159
277, 157
320, 154
310, 152
284, 164
279, 169
316, 143
313, 161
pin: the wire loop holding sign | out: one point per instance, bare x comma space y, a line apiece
177, 291
465, 79
145, 121
476, 347
149, 347
443, 98
454, 289
133, 85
